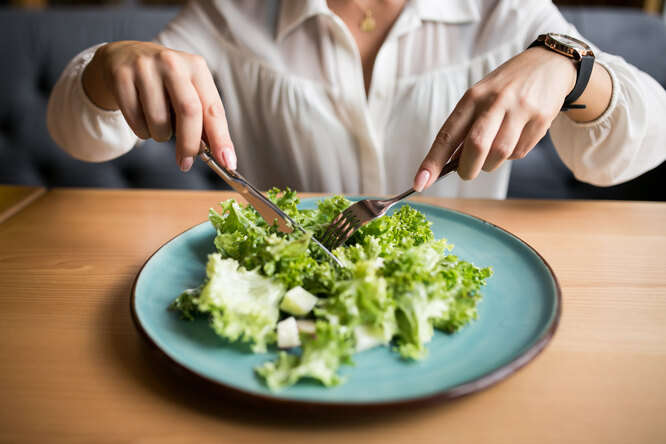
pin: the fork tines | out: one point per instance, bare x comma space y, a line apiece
340, 229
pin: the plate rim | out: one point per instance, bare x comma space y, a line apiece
467, 388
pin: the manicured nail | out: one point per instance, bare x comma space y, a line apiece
229, 158
186, 163
421, 180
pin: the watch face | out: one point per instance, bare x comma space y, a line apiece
569, 41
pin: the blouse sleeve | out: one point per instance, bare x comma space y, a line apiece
80, 127
629, 138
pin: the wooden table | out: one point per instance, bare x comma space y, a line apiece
13, 198
75, 369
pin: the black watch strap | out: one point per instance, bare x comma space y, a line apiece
583, 77
583, 73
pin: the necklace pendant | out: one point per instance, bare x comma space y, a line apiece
368, 23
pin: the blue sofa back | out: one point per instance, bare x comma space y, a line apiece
38, 44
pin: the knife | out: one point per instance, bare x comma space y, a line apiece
270, 212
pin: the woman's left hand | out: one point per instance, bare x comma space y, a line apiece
503, 116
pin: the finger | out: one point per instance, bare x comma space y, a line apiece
505, 141
477, 144
215, 125
531, 135
154, 102
124, 91
449, 137
187, 108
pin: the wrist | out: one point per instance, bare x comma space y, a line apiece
562, 72
94, 86
564, 67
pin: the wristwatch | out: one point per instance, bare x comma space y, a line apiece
580, 53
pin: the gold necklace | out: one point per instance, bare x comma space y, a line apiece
368, 23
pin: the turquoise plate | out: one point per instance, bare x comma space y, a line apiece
518, 315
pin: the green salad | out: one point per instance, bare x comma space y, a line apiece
269, 289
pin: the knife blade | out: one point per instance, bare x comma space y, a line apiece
270, 212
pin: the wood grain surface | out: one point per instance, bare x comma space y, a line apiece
74, 368
13, 198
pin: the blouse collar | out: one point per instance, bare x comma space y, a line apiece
293, 13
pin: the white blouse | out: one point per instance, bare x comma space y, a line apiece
291, 81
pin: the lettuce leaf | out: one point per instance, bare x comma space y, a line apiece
242, 304
321, 355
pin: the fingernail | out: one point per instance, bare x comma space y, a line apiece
229, 158
421, 180
186, 163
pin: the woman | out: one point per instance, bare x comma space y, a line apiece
363, 96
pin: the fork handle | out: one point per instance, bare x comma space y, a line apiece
449, 168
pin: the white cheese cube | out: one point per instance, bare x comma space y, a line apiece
306, 326
287, 333
367, 337
298, 301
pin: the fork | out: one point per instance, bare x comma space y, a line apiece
354, 217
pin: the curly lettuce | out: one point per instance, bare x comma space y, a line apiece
398, 286
242, 305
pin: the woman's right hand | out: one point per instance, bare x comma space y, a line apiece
146, 81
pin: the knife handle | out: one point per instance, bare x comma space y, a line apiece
229, 176
264, 207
